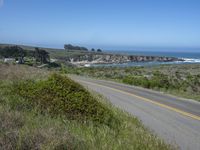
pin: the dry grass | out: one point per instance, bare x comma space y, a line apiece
20, 130
13, 72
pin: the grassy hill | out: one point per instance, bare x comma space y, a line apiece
31, 47
54, 52
44, 110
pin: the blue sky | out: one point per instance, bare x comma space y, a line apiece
108, 24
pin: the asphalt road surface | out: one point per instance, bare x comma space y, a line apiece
173, 119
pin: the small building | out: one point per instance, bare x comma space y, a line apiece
9, 60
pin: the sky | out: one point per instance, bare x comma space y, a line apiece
107, 24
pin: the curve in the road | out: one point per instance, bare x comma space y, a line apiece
174, 119
150, 101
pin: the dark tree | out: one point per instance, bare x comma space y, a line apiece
99, 50
93, 50
13, 52
21, 55
71, 47
41, 55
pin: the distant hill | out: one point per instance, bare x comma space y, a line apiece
52, 51
26, 47
55, 52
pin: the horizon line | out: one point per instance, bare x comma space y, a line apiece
120, 48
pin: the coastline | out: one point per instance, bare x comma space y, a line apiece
88, 60
180, 58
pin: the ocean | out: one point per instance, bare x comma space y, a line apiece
189, 57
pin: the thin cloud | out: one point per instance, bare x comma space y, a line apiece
1, 3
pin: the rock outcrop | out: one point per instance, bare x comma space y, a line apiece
117, 58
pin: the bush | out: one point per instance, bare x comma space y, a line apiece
54, 65
137, 81
159, 80
128, 80
60, 95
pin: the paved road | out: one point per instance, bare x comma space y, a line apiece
174, 119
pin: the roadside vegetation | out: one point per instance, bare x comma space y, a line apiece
179, 80
40, 109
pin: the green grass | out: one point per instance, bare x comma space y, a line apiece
28, 119
179, 80
59, 95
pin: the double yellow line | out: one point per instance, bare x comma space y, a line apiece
150, 101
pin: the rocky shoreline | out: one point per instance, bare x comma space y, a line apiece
89, 59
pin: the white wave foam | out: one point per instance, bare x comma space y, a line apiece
191, 60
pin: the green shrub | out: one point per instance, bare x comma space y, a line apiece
60, 95
137, 81
54, 65
128, 80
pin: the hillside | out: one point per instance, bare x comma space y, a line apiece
31, 47
43, 110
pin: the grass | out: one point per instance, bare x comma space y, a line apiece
21, 72
179, 80
26, 130
29, 121
59, 95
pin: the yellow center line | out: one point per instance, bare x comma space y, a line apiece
150, 101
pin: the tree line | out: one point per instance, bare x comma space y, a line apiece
98, 50
71, 47
19, 54
79, 48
